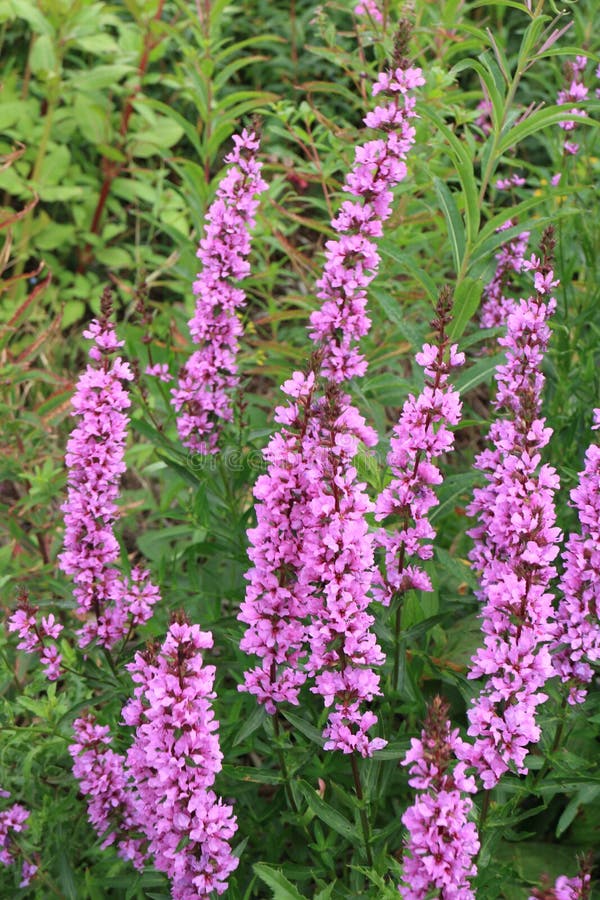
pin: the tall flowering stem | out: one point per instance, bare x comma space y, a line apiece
421, 435
203, 398
173, 761
157, 800
578, 632
516, 542
352, 260
95, 460
295, 498
276, 603
336, 564
442, 843
104, 781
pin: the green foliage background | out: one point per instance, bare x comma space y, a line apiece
114, 121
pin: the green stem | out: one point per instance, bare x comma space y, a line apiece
485, 808
283, 766
397, 626
363, 813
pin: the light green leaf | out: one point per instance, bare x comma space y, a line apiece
276, 880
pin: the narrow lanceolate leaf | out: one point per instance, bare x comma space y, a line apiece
279, 884
456, 229
327, 813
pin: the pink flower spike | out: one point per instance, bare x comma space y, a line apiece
203, 396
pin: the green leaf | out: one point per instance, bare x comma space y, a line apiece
253, 722
276, 880
541, 118
308, 730
42, 59
328, 814
466, 303
481, 372
454, 222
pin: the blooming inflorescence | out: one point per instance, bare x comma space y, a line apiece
516, 542
311, 552
442, 843
575, 93
352, 260
38, 635
157, 800
13, 821
173, 760
497, 302
95, 452
421, 434
578, 633
202, 398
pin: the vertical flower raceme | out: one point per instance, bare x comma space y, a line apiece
336, 566
95, 452
13, 821
173, 761
37, 635
497, 303
351, 260
516, 543
578, 634
421, 435
276, 603
576, 92
442, 843
202, 398
301, 537
104, 781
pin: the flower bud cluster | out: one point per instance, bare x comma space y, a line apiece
442, 843
516, 543
578, 633
351, 260
202, 398
95, 460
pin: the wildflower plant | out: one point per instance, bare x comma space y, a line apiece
364, 473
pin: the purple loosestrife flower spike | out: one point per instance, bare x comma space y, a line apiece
37, 636
94, 458
336, 564
422, 434
173, 761
516, 543
576, 92
276, 602
442, 844
14, 820
351, 260
578, 633
497, 303
202, 398
104, 781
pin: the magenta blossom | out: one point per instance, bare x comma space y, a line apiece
202, 398
442, 843
95, 460
516, 544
